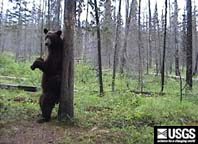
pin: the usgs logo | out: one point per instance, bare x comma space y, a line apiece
175, 134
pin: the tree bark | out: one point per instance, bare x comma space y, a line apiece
150, 45
107, 33
164, 49
189, 45
48, 14
176, 39
86, 33
99, 50
196, 65
184, 39
1, 29
128, 21
115, 56
140, 65
156, 34
41, 29
66, 108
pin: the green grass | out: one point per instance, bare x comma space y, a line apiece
123, 116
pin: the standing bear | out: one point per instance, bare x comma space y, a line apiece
52, 69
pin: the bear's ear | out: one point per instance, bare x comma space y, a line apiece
59, 33
45, 31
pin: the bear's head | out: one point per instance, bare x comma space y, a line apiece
53, 39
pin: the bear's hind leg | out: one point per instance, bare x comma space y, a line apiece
47, 103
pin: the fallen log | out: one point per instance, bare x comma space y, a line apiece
145, 93
20, 87
12, 78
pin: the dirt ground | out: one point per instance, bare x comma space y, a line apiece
30, 132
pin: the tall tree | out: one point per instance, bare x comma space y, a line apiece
175, 38
41, 7
128, 21
189, 45
84, 48
150, 49
164, 49
140, 63
184, 39
196, 65
19, 34
195, 39
107, 32
57, 14
48, 14
99, 49
66, 108
156, 38
117, 37
1, 29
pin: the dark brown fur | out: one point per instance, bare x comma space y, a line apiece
51, 68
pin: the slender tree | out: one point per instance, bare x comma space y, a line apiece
140, 65
156, 28
196, 65
128, 21
189, 45
150, 49
48, 14
107, 32
57, 11
66, 108
99, 49
115, 56
84, 48
1, 29
159, 41
195, 39
176, 39
164, 49
19, 34
42, 27
184, 39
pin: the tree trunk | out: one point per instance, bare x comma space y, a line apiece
66, 108
156, 34
41, 30
140, 68
195, 39
176, 39
196, 65
115, 56
19, 34
184, 39
1, 29
58, 22
107, 33
128, 21
48, 14
86, 33
99, 50
164, 49
189, 45
150, 49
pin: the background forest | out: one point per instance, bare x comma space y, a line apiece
149, 69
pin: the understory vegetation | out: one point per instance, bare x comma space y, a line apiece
117, 117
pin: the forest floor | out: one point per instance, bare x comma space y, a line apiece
30, 132
120, 117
